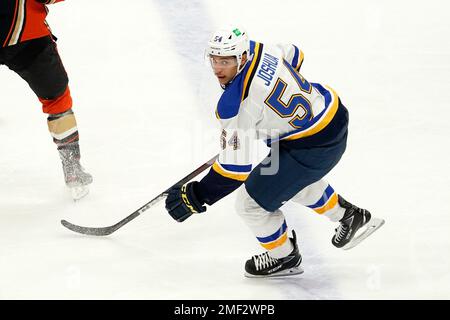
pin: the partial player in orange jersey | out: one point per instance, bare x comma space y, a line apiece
28, 47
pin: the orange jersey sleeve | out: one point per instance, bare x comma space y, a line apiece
25, 21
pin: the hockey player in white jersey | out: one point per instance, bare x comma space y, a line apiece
305, 124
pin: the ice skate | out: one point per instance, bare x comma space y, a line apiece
78, 193
264, 266
77, 180
356, 225
75, 177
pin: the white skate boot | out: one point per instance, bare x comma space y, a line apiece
76, 178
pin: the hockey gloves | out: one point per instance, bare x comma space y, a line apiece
181, 202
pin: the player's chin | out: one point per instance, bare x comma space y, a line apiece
222, 80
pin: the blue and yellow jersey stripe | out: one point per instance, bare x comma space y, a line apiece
256, 49
298, 59
328, 200
232, 171
276, 239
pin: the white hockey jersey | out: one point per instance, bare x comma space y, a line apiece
269, 99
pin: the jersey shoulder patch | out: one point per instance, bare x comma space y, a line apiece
230, 101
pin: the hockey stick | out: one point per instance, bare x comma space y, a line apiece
104, 231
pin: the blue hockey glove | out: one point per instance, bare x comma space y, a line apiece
181, 202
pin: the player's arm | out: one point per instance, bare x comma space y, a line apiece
293, 55
229, 172
49, 1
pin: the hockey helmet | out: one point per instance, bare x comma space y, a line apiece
229, 41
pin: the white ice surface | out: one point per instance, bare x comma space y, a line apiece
144, 102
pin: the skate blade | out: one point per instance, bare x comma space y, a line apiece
79, 192
373, 225
285, 273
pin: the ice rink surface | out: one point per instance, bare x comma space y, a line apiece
144, 101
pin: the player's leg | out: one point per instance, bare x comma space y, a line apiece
355, 223
63, 128
282, 257
38, 63
322, 199
269, 226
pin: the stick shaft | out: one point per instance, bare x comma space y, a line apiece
103, 231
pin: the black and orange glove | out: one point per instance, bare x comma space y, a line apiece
181, 202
